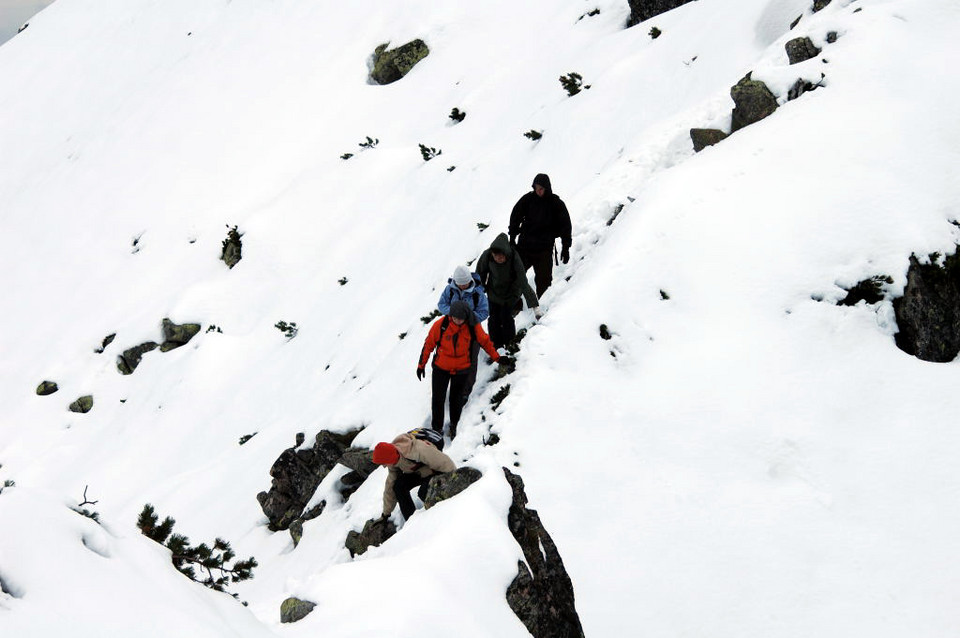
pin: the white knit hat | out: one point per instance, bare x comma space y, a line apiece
462, 276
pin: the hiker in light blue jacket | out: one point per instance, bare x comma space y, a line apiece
465, 286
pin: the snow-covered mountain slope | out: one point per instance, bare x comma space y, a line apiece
742, 458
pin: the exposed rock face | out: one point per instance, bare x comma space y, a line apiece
541, 595
391, 65
375, 532
296, 475
361, 462
175, 335
47, 387
641, 10
130, 359
819, 4
106, 342
800, 87
704, 137
231, 250
928, 314
444, 486
294, 609
801, 49
752, 100
83, 405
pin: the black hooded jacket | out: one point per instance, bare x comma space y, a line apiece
540, 220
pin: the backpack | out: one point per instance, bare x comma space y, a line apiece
429, 435
446, 323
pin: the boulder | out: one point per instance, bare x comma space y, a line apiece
294, 609
176, 335
296, 531
296, 474
752, 100
801, 49
82, 405
541, 594
391, 65
361, 462
704, 137
47, 387
106, 342
819, 4
375, 532
444, 486
641, 10
231, 249
928, 313
130, 359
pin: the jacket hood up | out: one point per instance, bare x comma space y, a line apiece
542, 179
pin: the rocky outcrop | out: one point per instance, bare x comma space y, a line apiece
641, 10
928, 313
801, 50
870, 291
389, 65
47, 388
704, 137
296, 474
374, 533
541, 595
176, 335
82, 405
128, 361
360, 460
294, 609
753, 101
231, 249
444, 486
819, 4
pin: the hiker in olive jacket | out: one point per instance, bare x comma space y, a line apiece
504, 278
411, 462
538, 218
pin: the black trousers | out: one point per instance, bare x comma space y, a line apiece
542, 263
500, 324
457, 382
401, 489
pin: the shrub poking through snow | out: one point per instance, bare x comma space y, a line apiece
457, 115
428, 318
205, 564
501, 394
572, 83
342, 281
370, 143
605, 332
533, 135
247, 437
869, 290
482, 226
289, 330
428, 152
232, 247
346, 156
655, 33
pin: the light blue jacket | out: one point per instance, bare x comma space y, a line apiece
474, 296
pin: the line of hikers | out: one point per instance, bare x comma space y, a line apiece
493, 293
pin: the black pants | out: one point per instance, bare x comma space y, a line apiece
542, 263
500, 324
457, 382
401, 489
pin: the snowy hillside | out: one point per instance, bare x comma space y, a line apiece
742, 457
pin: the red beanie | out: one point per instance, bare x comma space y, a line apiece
385, 454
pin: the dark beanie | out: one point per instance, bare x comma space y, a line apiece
460, 310
386, 454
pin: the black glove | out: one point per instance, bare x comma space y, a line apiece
506, 360
565, 254
421, 373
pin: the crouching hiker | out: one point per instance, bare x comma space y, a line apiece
502, 273
451, 338
465, 286
411, 460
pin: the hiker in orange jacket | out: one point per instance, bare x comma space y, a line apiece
451, 337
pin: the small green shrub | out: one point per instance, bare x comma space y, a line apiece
501, 394
428, 152
289, 330
342, 281
430, 317
247, 437
346, 156
572, 83
605, 332
655, 32
482, 226
457, 115
533, 135
370, 143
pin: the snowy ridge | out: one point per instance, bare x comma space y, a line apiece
738, 460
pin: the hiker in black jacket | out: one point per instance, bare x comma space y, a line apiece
505, 279
538, 218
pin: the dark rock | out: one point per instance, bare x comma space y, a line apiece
831, 37
130, 359
704, 137
800, 87
175, 335
800, 50
928, 313
796, 22
869, 290
294, 609
231, 251
47, 387
444, 486
360, 460
541, 595
296, 531
375, 532
819, 4
106, 342
391, 65
83, 405
641, 10
296, 475
752, 100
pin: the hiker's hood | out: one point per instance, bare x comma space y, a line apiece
502, 244
543, 179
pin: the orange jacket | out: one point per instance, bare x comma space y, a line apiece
453, 355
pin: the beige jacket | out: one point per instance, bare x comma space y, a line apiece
415, 456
